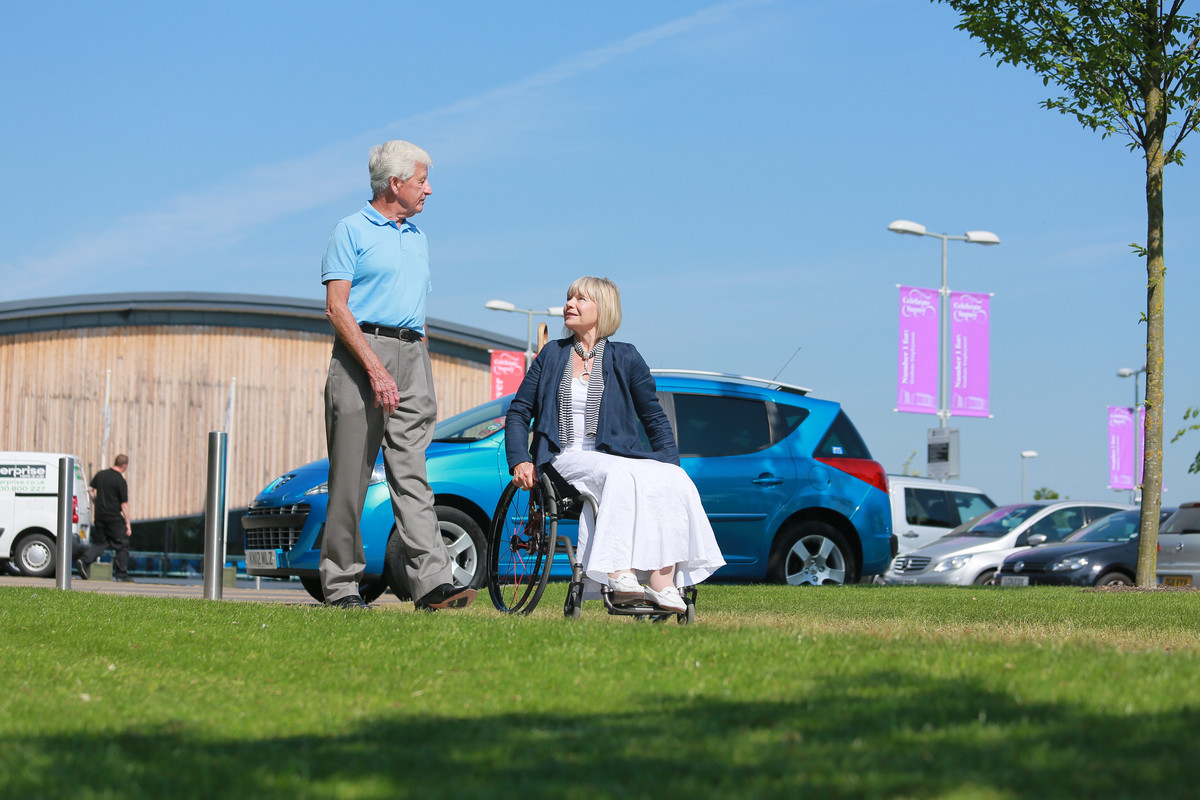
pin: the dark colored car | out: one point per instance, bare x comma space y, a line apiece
1101, 554
788, 484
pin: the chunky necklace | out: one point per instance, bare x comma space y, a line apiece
586, 358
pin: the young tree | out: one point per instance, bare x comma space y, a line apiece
1125, 67
1045, 493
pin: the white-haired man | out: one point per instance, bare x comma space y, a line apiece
379, 390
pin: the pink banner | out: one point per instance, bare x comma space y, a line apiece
917, 384
969, 317
1123, 457
508, 368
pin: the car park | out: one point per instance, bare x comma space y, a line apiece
972, 553
1104, 553
924, 510
1179, 547
29, 511
787, 482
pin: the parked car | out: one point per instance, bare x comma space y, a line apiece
1179, 547
924, 510
1104, 553
786, 479
972, 553
29, 511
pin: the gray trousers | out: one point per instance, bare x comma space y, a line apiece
354, 431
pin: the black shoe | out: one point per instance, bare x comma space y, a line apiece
124, 579
446, 596
349, 601
82, 568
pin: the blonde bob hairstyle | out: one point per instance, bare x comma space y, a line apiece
604, 294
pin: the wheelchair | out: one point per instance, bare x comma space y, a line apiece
523, 540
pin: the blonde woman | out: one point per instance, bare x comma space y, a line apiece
585, 395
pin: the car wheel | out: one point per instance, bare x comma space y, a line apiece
1115, 579
811, 554
464, 539
313, 587
35, 556
986, 578
369, 589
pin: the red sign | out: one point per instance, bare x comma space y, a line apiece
508, 368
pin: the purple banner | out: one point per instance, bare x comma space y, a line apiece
917, 384
1122, 455
969, 317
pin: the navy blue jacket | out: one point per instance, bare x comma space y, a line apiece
629, 395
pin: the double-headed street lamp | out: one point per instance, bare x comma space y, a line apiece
971, 237
1128, 372
504, 305
1025, 456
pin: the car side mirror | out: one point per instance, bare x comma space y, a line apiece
1036, 539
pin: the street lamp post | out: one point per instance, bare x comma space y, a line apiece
1025, 456
1127, 372
504, 305
971, 237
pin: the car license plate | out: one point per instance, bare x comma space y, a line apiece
1177, 580
1014, 580
906, 581
261, 558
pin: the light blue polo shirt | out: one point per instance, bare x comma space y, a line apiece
387, 266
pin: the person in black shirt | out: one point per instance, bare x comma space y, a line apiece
110, 520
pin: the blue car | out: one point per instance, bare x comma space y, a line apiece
788, 483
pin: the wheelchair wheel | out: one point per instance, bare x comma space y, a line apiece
573, 606
520, 550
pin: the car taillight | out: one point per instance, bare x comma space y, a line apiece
864, 469
74, 509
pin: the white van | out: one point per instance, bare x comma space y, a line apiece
29, 511
924, 510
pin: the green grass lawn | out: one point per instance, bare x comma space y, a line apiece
859, 691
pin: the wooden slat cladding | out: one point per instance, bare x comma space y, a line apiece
170, 386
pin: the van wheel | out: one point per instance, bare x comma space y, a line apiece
811, 554
35, 556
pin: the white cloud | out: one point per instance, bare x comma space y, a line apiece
234, 209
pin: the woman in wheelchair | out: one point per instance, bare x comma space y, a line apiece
585, 395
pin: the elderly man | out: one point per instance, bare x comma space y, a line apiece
379, 390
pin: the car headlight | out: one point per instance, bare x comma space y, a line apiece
1068, 564
949, 564
378, 475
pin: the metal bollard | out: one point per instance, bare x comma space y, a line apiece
214, 515
66, 494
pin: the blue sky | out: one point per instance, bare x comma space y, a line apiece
732, 166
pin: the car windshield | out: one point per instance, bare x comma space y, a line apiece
1119, 527
998, 521
475, 424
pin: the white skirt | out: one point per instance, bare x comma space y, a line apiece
650, 517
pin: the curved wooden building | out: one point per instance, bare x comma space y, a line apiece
152, 374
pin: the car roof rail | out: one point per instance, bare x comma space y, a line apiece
770, 383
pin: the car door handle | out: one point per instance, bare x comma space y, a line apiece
910, 535
1179, 547
767, 480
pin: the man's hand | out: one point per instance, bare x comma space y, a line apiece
387, 396
523, 475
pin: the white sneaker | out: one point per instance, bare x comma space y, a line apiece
668, 599
626, 589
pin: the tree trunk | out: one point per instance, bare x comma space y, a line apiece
1152, 457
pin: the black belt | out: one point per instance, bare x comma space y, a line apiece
403, 334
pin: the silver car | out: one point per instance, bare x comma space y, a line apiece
971, 553
1179, 547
